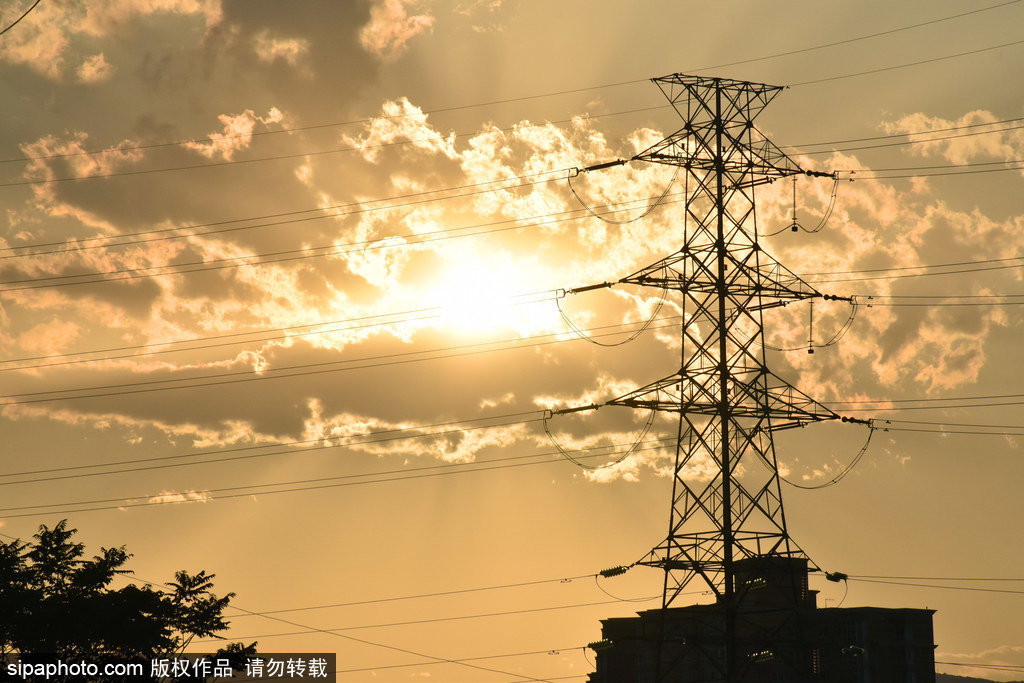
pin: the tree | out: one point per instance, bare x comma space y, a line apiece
55, 603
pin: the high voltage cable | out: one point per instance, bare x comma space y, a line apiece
602, 451
952, 588
1006, 162
992, 667
363, 641
435, 660
390, 242
908, 64
334, 250
966, 432
18, 20
898, 268
215, 264
304, 330
313, 484
83, 247
357, 208
366, 362
370, 119
603, 331
916, 142
459, 591
298, 370
922, 400
363, 207
283, 157
318, 483
436, 620
306, 369
859, 38
939, 174
899, 135
509, 100
939, 578
981, 267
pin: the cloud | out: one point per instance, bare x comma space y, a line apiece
975, 141
877, 244
391, 28
95, 69
110, 17
49, 33
237, 135
985, 664
289, 50
188, 496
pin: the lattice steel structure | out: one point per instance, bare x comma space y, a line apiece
728, 401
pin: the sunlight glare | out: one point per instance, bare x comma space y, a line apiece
486, 297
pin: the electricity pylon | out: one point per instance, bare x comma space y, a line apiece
729, 403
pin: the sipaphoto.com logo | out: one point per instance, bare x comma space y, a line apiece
61, 670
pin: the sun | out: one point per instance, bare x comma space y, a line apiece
492, 295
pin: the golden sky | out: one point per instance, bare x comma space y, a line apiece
280, 289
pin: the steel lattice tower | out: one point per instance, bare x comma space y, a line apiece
728, 401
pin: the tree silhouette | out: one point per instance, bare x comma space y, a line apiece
54, 603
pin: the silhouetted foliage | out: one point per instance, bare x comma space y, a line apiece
55, 604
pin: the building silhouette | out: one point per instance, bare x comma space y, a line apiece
781, 635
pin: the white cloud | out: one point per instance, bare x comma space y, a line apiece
188, 496
972, 142
95, 69
391, 28
53, 30
289, 50
237, 133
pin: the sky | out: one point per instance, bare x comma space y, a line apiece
283, 297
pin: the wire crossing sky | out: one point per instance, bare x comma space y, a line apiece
273, 274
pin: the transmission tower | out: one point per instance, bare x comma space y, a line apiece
729, 403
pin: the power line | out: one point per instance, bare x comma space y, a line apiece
938, 578
930, 585
297, 331
389, 242
908, 64
913, 142
312, 446
907, 134
902, 268
348, 149
435, 660
16, 21
993, 667
859, 38
118, 275
459, 591
898, 272
338, 209
939, 174
922, 400
314, 484
221, 379
335, 124
436, 620
363, 641
279, 157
